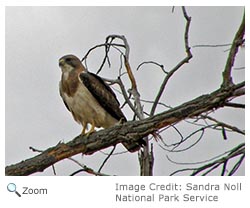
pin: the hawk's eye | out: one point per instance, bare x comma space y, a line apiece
67, 60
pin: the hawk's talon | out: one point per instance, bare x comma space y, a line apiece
90, 132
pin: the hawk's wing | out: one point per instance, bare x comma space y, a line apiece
61, 94
107, 99
103, 94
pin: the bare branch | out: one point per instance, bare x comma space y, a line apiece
132, 130
224, 168
237, 165
235, 152
152, 62
106, 159
138, 108
224, 134
149, 157
239, 92
192, 145
235, 105
239, 68
124, 93
237, 42
89, 171
197, 162
159, 103
219, 123
106, 45
185, 60
212, 46
177, 145
146, 157
107, 49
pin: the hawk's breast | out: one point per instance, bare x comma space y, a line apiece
86, 109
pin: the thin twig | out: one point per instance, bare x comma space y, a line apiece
235, 152
178, 66
192, 145
84, 168
235, 105
152, 62
237, 165
100, 45
233, 128
107, 46
124, 93
224, 168
106, 159
209, 170
239, 68
198, 162
114, 154
35, 150
211, 45
224, 134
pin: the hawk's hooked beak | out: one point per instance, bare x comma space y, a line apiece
61, 62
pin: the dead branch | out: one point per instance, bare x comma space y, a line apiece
237, 42
129, 131
106, 159
179, 65
211, 45
235, 105
134, 90
225, 125
145, 156
86, 169
146, 160
152, 62
107, 46
222, 161
124, 93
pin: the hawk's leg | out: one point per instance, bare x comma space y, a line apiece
84, 125
121, 121
92, 129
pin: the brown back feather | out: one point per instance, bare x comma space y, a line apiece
103, 94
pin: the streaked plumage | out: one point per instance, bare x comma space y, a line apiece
89, 98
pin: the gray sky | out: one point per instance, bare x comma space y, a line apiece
36, 37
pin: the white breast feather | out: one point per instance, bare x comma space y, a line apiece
86, 109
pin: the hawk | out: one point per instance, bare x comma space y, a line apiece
89, 98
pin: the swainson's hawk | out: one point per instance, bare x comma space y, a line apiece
89, 98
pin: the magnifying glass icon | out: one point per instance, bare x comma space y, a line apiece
11, 187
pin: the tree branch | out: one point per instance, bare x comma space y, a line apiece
225, 125
86, 169
235, 152
178, 66
237, 42
130, 131
235, 105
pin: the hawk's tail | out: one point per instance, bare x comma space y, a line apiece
134, 146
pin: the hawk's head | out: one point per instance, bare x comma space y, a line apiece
69, 63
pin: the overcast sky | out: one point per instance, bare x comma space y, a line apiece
36, 37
